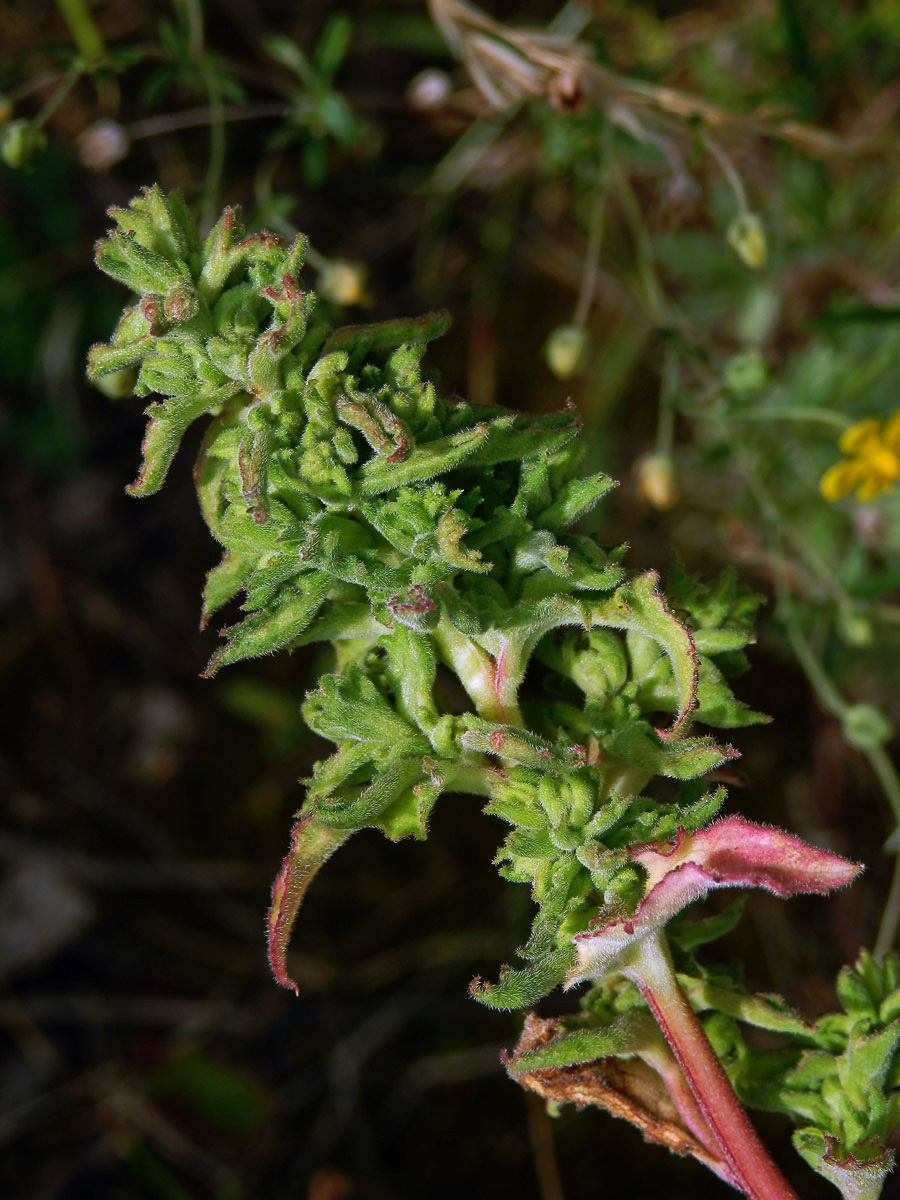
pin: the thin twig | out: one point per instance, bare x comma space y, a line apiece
890, 917
591, 256
826, 693
668, 389
192, 118
821, 416
543, 1149
57, 96
730, 171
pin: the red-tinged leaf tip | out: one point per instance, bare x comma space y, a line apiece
859, 1173
738, 853
312, 844
730, 853
881, 1156
477, 987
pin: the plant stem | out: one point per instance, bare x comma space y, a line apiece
730, 171
57, 96
655, 299
213, 183
881, 764
489, 682
543, 1150
890, 917
661, 1059
754, 1171
793, 412
826, 692
668, 390
591, 256
85, 34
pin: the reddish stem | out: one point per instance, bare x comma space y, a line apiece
754, 1171
666, 1066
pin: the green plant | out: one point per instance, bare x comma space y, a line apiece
420, 536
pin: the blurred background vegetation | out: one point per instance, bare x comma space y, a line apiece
684, 217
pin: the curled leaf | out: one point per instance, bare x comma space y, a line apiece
517, 988
312, 844
730, 853
640, 606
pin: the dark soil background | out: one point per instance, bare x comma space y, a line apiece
146, 1051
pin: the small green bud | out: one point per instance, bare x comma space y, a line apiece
625, 888
854, 627
264, 366
747, 238
128, 261
602, 669
104, 359
567, 800
260, 417
854, 995
20, 144
445, 736
345, 447
746, 374
566, 351
866, 727
116, 385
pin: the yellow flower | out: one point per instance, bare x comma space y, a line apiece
873, 463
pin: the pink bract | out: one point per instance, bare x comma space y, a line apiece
730, 853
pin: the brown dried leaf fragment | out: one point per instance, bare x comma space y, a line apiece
624, 1087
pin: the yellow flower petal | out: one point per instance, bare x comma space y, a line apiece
841, 479
883, 463
860, 437
872, 486
891, 435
